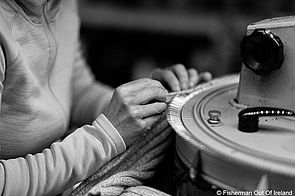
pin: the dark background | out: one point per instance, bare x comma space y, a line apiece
125, 40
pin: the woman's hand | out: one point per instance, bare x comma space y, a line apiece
178, 78
135, 107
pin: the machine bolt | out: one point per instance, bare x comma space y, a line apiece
214, 117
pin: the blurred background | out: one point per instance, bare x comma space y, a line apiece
125, 40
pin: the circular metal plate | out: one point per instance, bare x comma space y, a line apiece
230, 158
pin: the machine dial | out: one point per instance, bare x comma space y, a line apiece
262, 52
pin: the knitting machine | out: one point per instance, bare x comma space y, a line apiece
238, 132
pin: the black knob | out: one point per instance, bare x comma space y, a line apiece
262, 52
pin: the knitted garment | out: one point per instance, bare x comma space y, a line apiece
125, 174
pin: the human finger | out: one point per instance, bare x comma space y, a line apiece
182, 75
148, 94
168, 77
144, 111
193, 77
205, 76
139, 84
196, 78
150, 121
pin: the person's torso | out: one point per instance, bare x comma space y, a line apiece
39, 53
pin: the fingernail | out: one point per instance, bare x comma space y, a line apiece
191, 84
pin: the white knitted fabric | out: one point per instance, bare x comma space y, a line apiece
115, 185
125, 174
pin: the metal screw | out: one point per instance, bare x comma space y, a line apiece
214, 117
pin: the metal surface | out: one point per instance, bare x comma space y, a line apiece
276, 88
232, 159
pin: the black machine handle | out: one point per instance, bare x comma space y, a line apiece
249, 117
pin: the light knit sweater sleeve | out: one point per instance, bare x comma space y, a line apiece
90, 97
62, 165
2, 75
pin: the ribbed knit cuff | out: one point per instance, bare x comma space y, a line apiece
2, 179
112, 132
